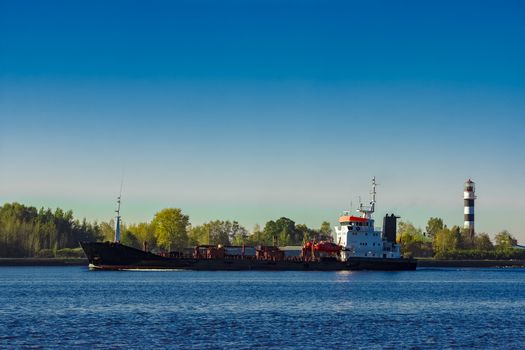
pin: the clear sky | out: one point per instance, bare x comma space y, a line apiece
252, 110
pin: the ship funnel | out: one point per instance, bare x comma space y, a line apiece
390, 227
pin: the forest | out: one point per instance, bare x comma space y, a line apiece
26, 231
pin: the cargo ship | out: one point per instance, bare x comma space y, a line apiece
356, 245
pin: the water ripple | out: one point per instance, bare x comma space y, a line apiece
70, 307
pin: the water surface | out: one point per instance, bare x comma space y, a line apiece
73, 307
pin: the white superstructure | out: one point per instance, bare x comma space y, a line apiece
359, 238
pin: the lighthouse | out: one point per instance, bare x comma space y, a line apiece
469, 195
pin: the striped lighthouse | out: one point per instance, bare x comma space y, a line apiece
469, 195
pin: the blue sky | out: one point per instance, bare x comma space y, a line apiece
252, 110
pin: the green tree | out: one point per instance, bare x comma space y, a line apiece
305, 233
284, 238
271, 230
144, 232
325, 230
283, 230
287, 233
440, 240
466, 241
256, 238
129, 239
433, 226
505, 241
171, 228
447, 240
238, 234
220, 232
199, 235
411, 239
108, 230
457, 238
482, 242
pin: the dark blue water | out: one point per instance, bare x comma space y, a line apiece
71, 307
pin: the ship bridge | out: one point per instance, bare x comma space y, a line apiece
348, 220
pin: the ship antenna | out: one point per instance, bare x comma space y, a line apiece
117, 223
373, 193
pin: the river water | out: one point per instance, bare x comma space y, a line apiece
74, 308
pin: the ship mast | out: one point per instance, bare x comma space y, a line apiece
367, 212
117, 222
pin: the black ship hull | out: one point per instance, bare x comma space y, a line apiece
115, 256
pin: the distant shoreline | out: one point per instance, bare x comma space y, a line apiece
43, 261
423, 262
429, 262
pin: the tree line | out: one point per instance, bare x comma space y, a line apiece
443, 242
171, 230
26, 231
